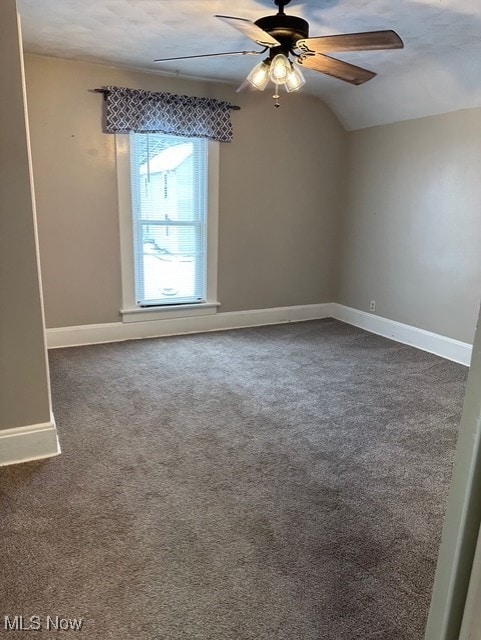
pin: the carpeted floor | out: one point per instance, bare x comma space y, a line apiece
276, 483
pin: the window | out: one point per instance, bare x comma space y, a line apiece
168, 193
169, 210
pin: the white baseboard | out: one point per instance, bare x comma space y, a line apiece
425, 340
118, 331
32, 442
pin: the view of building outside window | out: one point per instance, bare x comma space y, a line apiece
169, 215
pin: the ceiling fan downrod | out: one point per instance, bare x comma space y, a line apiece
281, 4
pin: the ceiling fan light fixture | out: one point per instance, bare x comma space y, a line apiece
290, 47
259, 75
295, 79
280, 68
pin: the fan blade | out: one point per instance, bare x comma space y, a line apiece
212, 55
336, 68
251, 30
351, 42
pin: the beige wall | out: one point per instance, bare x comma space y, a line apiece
279, 193
411, 231
408, 218
24, 387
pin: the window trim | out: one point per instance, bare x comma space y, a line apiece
131, 311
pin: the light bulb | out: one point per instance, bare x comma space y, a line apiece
259, 76
280, 68
295, 79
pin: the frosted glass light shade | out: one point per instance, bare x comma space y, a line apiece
259, 76
280, 67
295, 79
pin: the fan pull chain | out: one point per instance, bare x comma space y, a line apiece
276, 97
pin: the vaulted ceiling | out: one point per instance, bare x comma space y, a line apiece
439, 70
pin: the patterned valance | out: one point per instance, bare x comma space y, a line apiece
138, 111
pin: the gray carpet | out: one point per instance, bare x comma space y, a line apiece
277, 483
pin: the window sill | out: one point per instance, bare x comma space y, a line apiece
144, 314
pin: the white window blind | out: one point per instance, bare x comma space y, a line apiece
169, 205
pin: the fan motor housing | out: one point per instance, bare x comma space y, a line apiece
286, 29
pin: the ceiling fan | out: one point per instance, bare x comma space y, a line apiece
286, 38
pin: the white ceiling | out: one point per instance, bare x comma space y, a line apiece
439, 70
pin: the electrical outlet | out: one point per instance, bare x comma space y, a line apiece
372, 306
